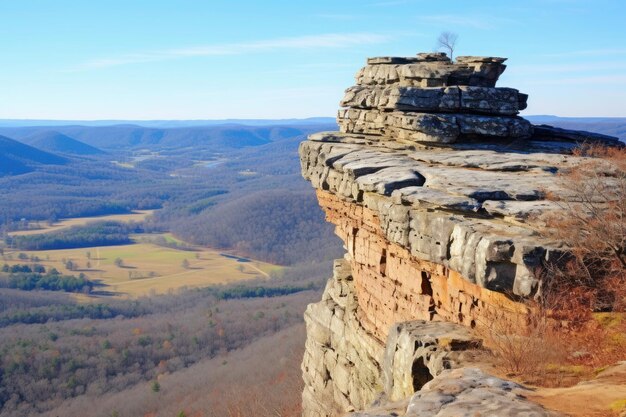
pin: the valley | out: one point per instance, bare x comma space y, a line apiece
197, 243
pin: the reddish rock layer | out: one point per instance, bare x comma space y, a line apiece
392, 286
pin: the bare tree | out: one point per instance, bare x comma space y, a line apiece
447, 41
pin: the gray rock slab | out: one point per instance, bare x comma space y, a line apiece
482, 100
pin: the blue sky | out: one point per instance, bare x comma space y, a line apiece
213, 59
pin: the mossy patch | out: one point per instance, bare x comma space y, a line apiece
610, 320
618, 405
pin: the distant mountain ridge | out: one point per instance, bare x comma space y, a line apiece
53, 141
17, 158
612, 126
218, 137
164, 123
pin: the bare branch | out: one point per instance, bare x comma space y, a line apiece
447, 41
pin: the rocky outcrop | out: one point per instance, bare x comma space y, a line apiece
438, 190
341, 365
467, 392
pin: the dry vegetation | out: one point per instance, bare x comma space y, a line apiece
263, 379
151, 356
577, 326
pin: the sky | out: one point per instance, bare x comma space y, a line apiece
214, 59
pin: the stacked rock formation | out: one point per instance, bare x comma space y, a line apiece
438, 190
430, 99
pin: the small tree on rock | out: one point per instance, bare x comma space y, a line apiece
447, 42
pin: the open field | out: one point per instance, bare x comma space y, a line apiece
147, 268
43, 227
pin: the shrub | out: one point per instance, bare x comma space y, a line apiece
592, 224
562, 338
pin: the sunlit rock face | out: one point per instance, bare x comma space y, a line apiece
438, 190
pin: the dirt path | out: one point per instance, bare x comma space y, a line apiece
260, 271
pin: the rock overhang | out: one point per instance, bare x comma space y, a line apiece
426, 137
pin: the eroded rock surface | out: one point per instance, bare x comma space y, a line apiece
467, 392
439, 192
470, 392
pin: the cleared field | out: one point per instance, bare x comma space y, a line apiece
147, 268
137, 216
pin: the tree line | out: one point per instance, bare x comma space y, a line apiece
105, 233
35, 277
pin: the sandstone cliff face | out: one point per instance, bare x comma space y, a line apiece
437, 189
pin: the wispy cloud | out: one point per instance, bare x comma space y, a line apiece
386, 3
323, 41
338, 16
582, 67
471, 21
608, 52
585, 80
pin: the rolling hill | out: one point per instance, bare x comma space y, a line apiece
166, 123
17, 158
53, 141
214, 138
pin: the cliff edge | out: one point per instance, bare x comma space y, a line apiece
439, 191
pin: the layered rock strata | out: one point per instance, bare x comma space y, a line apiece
438, 190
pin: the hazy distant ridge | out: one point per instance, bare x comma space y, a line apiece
18, 158
163, 123
53, 141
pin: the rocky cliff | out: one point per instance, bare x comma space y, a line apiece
438, 190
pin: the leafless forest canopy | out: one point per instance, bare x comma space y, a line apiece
212, 351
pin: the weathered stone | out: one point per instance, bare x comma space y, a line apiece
432, 70
431, 127
425, 197
418, 351
346, 376
433, 56
391, 60
470, 392
497, 101
439, 193
465, 392
550, 133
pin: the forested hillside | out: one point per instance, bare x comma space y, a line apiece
216, 138
17, 158
54, 141
55, 350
